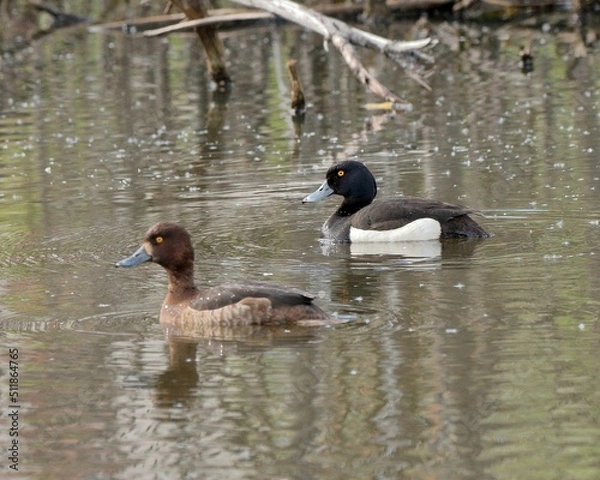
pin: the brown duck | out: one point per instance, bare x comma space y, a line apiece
229, 305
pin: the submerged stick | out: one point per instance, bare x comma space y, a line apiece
298, 102
213, 47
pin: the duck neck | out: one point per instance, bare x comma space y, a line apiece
352, 205
181, 285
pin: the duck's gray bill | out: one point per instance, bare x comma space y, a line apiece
140, 256
320, 193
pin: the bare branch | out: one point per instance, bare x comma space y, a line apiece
213, 19
342, 36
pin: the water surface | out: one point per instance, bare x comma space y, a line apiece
479, 361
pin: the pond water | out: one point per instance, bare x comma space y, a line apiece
479, 361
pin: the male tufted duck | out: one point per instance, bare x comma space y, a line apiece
359, 219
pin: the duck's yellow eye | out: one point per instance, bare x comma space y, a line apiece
341, 173
158, 240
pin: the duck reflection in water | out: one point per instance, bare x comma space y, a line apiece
255, 312
176, 385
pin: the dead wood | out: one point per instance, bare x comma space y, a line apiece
343, 36
245, 16
213, 47
329, 27
141, 24
298, 103
348, 11
334, 31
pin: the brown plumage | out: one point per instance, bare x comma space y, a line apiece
229, 305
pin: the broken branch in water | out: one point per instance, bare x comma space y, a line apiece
298, 103
213, 47
343, 36
334, 31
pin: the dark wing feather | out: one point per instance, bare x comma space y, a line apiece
397, 212
230, 293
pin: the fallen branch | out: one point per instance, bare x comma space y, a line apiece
213, 19
328, 27
334, 31
343, 36
363, 75
136, 25
346, 10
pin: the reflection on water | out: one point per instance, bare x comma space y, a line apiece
462, 359
408, 250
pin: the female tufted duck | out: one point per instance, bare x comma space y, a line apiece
359, 219
231, 305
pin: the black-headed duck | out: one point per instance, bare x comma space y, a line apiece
360, 219
231, 304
